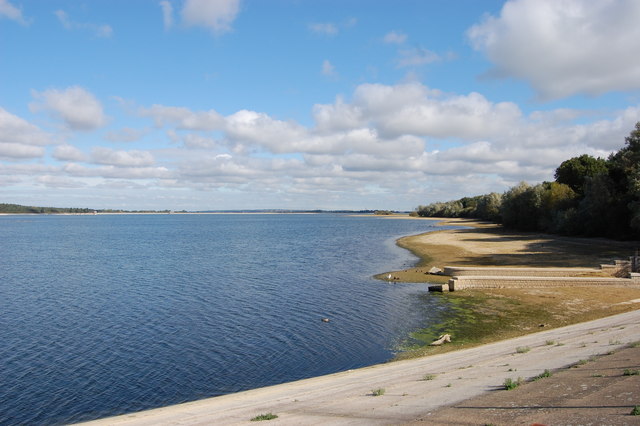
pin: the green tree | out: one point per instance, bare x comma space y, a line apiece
488, 207
624, 172
576, 170
521, 207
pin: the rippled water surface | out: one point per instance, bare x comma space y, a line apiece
108, 314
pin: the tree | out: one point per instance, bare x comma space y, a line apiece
488, 207
521, 207
576, 170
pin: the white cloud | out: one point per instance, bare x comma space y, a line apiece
10, 11
563, 48
20, 151
417, 57
250, 127
183, 117
14, 129
394, 37
415, 109
126, 134
217, 15
99, 30
383, 140
167, 14
119, 158
77, 107
194, 141
51, 181
325, 28
117, 172
68, 152
337, 116
328, 69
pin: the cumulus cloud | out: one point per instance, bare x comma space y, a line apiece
9, 11
68, 152
126, 134
77, 107
337, 116
250, 127
15, 130
563, 48
183, 118
99, 30
415, 109
119, 158
217, 15
20, 151
425, 139
394, 37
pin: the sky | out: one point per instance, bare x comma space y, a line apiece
306, 104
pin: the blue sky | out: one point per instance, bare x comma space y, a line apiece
301, 104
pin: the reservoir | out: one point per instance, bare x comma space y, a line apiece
109, 314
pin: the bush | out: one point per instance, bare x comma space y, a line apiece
268, 416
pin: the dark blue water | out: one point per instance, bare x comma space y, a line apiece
103, 315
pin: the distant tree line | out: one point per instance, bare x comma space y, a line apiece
16, 208
590, 196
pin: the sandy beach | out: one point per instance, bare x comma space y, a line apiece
579, 326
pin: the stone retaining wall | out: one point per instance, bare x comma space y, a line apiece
462, 271
509, 277
486, 281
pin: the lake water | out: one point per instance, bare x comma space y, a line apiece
109, 314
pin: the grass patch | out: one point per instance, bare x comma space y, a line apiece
550, 342
476, 317
378, 392
629, 372
523, 349
429, 377
268, 416
545, 373
510, 384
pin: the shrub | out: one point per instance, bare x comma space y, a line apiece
268, 416
511, 384
542, 375
377, 392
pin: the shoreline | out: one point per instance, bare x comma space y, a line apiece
412, 389
346, 397
487, 315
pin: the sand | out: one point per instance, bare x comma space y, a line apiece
455, 377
